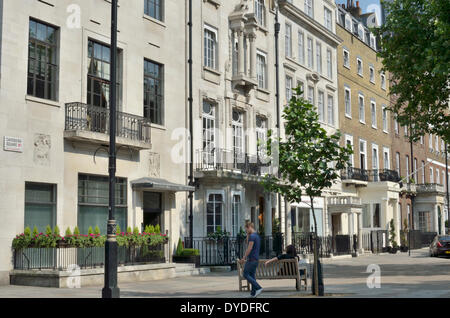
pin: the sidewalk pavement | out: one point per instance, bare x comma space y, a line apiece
401, 276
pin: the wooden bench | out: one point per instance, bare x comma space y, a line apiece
282, 269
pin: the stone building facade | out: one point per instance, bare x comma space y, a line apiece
308, 54
365, 123
54, 124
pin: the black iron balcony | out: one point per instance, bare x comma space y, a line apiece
86, 122
384, 175
375, 175
351, 173
222, 159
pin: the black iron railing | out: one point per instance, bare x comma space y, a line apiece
85, 117
328, 245
375, 241
418, 239
376, 175
304, 244
351, 173
384, 175
222, 159
225, 251
84, 258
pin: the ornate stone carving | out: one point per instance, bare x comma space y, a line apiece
154, 160
42, 145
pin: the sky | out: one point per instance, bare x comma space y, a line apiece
367, 6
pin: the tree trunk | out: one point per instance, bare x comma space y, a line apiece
316, 254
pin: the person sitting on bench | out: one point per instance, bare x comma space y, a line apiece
290, 254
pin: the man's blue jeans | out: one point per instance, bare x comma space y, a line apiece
249, 275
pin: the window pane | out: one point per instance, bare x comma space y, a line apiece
366, 216
153, 92
40, 204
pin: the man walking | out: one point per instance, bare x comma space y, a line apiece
252, 257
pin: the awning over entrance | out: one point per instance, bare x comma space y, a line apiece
159, 185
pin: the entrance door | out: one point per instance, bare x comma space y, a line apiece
152, 209
336, 224
261, 215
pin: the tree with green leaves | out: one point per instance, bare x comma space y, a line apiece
309, 159
415, 50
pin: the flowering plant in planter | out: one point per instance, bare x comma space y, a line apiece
141, 239
52, 239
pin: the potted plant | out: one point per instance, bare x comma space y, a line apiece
394, 247
219, 235
186, 255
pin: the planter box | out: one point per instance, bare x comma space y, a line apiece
187, 259
90, 277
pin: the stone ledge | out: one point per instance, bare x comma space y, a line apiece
91, 277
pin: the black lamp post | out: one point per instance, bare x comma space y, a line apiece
447, 183
110, 289
277, 95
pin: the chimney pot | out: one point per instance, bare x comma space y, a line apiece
357, 4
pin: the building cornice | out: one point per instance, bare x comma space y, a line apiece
297, 15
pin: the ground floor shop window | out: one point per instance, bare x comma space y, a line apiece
214, 207
40, 205
93, 198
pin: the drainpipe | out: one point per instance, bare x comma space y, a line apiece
277, 95
191, 143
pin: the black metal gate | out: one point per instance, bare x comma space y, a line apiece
418, 239
379, 240
226, 251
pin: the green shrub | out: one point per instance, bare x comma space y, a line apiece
179, 247
97, 230
35, 231
190, 252
151, 229
48, 230
27, 231
76, 231
68, 231
392, 234
157, 229
135, 230
90, 231
118, 229
56, 230
129, 229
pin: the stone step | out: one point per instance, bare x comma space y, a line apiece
183, 270
184, 267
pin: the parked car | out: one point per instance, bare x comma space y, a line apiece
440, 246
